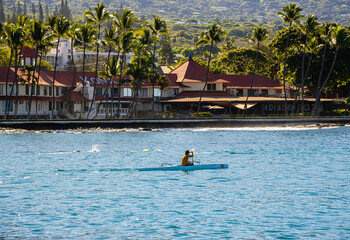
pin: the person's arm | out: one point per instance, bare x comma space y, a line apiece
191, 156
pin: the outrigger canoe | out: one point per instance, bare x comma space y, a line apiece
185, 168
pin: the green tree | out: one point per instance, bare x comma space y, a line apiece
111, 73
158, 27
339, 38
59, 28
125, 23
308, 29
96, 18
14, 38
259, 36
212, 35
72, 35
37, 33
84, 37
290, 13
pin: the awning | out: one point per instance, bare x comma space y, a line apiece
242, 105
214, 107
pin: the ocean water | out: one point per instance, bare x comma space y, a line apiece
282, 183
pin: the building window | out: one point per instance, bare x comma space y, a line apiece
279, 91
50, 106
143, 92
1, 89
99, 92
157, 92
27, 89
127, 92
10, 106
57, 91
239, 92
37, 89
114, 92
22, 61
64, 90
211, 87
175, 91
45, 91
50, 91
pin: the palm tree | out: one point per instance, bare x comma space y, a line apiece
126, 42
14, 38
111, 72
7, 38
340, 38
162, 82
110, 40
97, 17
325, 31
72, 34
290, 13
37, 33
212, 35
308, 29
125, 23
259, 36
85, 36
59, 27
158, 27
139, 71
140, 62
44, 47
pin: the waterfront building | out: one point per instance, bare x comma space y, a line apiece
64, 55
224, 94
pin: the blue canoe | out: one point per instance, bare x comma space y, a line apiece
185, 168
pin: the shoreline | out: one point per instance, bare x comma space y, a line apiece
149, 124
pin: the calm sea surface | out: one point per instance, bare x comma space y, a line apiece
285, 183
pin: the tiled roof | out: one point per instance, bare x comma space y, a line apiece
191, 71
244, 81
27, 52
205, 94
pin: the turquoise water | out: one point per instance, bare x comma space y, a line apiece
286, 183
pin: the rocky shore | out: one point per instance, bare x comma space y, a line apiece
146, 124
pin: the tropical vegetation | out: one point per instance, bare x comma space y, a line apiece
303, 54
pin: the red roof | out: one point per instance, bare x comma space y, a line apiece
27, 52
192, 72
205, 94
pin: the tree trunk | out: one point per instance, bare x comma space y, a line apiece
324, 84
6, 88
32, 84
153, 79
206, 80
314, 113
36, 94
106, 90
120, 79
53, 80
74, 72
96, 66
112, 87
284, 70
17, 88
251, 83
82, 94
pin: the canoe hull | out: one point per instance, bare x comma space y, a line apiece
186, 168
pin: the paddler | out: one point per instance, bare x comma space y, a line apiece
185, 161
